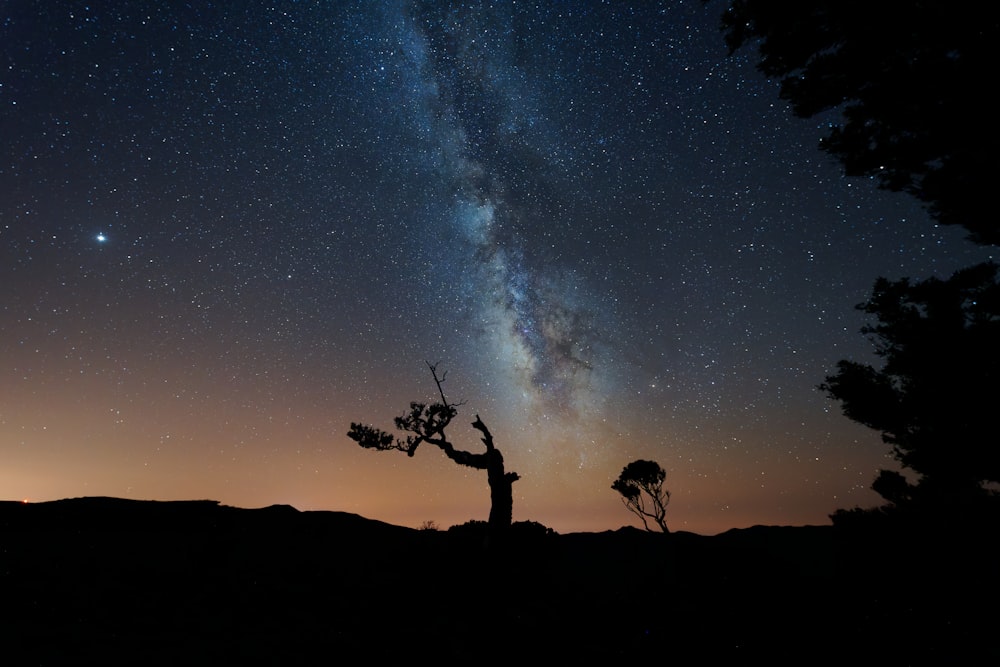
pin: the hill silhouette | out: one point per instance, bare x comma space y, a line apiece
113, 581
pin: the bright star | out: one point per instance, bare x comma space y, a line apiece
101, 238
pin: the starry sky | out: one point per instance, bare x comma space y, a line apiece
228, 230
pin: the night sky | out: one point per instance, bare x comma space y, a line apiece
227, 230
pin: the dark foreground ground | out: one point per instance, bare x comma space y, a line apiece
107, 581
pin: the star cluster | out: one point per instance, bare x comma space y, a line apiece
227, 231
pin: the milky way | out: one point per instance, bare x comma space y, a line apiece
476, 127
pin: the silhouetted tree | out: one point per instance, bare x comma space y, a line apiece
910, 79
641, 487
935, 397
426, 423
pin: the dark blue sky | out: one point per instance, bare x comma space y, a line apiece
227, 232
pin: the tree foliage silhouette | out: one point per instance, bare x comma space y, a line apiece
909, 80
427, 423
641, 487
935, 397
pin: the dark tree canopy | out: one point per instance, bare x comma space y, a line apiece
641, 487
427, 423
935, 396
911, 80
